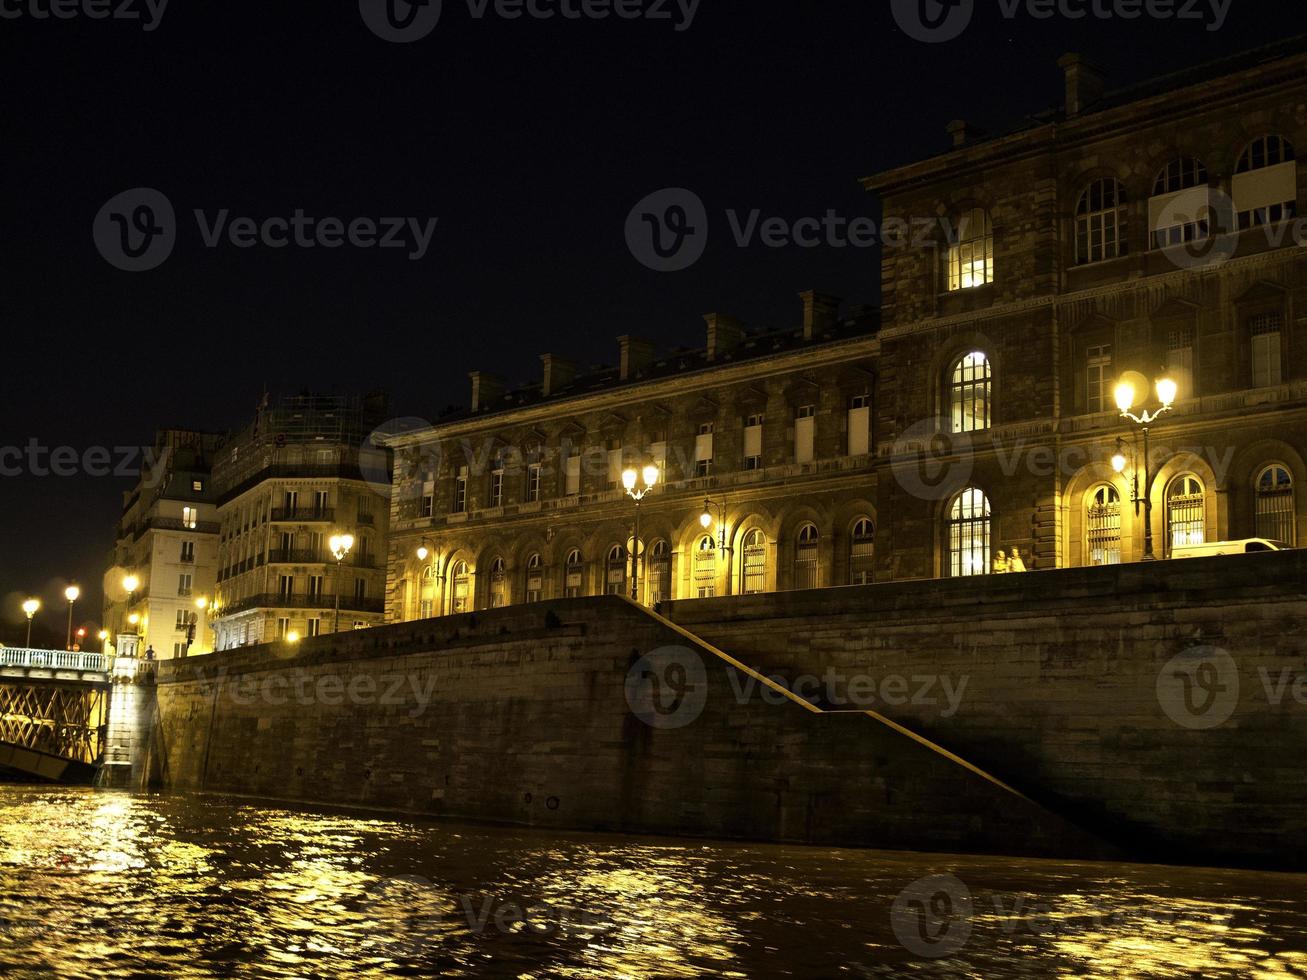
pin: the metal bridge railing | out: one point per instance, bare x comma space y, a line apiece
54, 659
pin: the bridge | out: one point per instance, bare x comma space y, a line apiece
54, 713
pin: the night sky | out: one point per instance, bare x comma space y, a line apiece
529, 141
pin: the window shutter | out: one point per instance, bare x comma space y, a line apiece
859, 431
804, 429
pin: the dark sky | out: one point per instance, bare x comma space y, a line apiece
529, 140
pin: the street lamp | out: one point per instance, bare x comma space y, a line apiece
30, 607
131, 583
423, 552
1128, 396
340, 545
647, 480
706, 519
191, 626
71, 593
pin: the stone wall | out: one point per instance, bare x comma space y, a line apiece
526, 715
1065, 676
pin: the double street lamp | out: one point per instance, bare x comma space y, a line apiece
1128, 397
638, 484
340, 545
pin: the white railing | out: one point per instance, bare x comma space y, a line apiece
96, 663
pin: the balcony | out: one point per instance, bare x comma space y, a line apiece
305, 556
366, 520
305, 515
325, 602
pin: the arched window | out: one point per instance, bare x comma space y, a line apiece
460, 582
1265, 185
805, 557
705, 567
1173, 220
1100, 222
753, 566
1275, 505
1103, 523
1186, 522
535, 578
427, 593
498, 584
968, 534
615, 577
660, 572
971, 253
574, 574
862, 552
969, 393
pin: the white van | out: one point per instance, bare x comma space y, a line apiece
1245, 547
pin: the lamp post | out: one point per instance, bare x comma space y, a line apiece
1127, 397
30, 607
191, 627
131, 583
340, 545
647, 480
706, 522
71, 593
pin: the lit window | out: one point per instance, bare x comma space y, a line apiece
1185, 512
862, 552
533, 482
1265, 185
968, 534
534, 578
427, 593
615, 579
705, 567
660, 572
703, 450
1275, 505
753, 566
189, 517
969, 393
574, 572
1103, 520
805, 558
498, 584
971, 256
1098, 394
1100, 222
459, 592
197, 486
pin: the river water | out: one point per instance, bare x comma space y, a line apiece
113, 885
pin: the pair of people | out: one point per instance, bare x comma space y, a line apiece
1003, 564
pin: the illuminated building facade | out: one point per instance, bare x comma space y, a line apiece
1150, 233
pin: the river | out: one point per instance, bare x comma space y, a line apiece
96, 884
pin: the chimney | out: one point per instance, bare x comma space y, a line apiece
636, 355
820, 313
724, 334
558, 374
962, 132
1085, 83
486, 389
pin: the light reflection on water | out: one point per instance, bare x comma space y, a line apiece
111, 885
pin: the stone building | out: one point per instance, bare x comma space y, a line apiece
1148, 233
167, 539
300, 474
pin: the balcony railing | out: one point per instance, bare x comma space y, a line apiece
305, 515
301, 556
366, 520
298, 600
